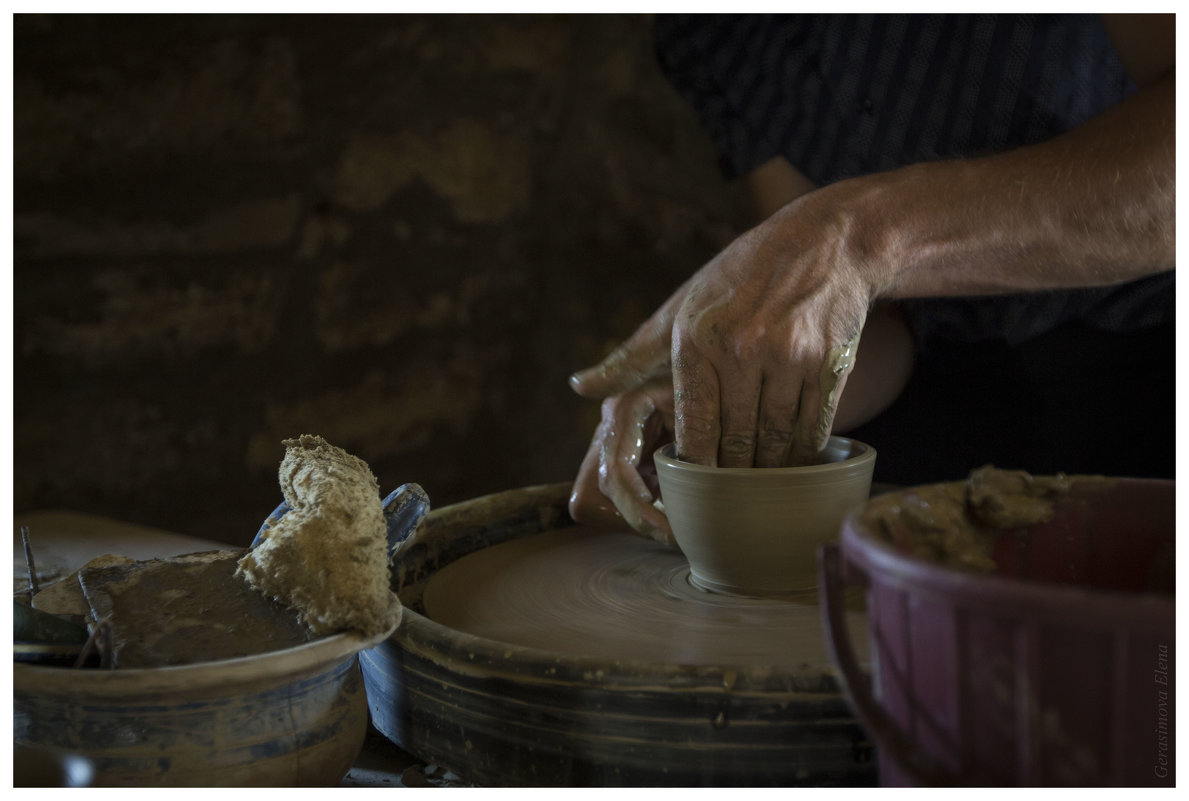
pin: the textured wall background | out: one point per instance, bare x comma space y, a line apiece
399, 232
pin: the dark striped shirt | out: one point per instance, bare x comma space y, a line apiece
847, 95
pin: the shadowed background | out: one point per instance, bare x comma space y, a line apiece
399, 232
403, 233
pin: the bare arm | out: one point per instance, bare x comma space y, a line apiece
1092, 207
748, 340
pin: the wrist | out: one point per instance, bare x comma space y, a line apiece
935, 229
866, 218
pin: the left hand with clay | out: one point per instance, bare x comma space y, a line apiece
617, 481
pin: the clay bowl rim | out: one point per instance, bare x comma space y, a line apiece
857, 461
271, 666
995, 591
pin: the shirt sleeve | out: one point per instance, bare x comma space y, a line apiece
700, 55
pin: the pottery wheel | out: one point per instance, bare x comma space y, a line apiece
615, 595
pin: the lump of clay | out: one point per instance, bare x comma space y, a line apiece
327, 557
1013, 498
958, 523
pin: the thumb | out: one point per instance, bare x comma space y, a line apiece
637, 360
643, 356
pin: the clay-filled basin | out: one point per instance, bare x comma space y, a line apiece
755, 531
293, 717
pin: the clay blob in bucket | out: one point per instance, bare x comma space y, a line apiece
755, 530
1022, 630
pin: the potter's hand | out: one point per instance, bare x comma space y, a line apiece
617, 480
760, 342
643, 357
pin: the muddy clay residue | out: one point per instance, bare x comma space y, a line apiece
957, 524
840, 361
66, 597
184, 610
327, 556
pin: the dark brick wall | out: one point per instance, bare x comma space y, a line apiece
399, 232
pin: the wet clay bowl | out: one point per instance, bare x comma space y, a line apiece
756, 531
293, 717
1052, 666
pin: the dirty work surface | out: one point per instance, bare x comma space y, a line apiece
382, 764
186, 609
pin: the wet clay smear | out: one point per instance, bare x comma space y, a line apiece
958, 523
184, 610
327, 557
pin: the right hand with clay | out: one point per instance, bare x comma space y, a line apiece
757, 345
752, 353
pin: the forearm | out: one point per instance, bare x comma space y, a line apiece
1093, 207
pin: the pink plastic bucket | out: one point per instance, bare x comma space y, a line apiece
1057, 669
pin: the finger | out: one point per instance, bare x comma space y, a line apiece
696, 421
740, 410
588, 505
780, 398
609, 492
839, 363
644, 355
833, 382
625, 422
805, 432
819, 402
635, 503
655, 434
630, 365
825, 418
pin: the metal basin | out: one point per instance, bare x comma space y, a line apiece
286, 718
